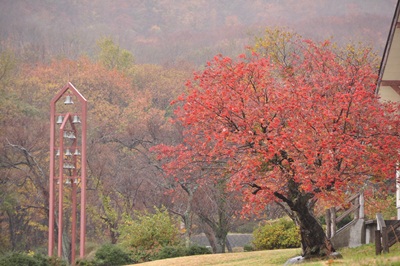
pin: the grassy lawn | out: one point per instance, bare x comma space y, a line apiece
364, 255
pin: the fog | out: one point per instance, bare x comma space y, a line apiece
172, 31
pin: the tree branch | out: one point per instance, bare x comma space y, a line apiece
284, 199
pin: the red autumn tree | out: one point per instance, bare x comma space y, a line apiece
291, 132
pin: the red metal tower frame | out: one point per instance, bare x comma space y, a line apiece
71, 167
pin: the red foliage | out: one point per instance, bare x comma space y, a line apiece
317, 123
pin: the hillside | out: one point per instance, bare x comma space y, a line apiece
175, 30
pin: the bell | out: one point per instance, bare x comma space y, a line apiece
58, 152
76, 181
68, 152
77, 152
71, 135
68, 166
76, 119
66, 134
68, 100
59, 119
68, 181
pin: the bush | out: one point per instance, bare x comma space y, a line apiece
86, 262
149, 231
197, 250
49, 261
142, 255
23, 259
110, 255
154, 236
248, 247
180, 251
170, 252
281, 233
19, 259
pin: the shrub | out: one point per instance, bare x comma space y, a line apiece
180, 251
49, 261
141, 255
248, 247
23, 259
86, 262
150, 231
110, 255
281, 233
18, 259
170, 252
154, 236
197, 250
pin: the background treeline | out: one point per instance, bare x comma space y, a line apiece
175, 31
130, 59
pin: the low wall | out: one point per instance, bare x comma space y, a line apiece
351, 235
236, 240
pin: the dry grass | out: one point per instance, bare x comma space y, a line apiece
267, 257
364, 255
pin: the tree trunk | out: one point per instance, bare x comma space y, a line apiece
188, 225
11, 231
114, 234
66, 247
221, 237
211, 237
314, 241
219, 233
228, 245
187, 215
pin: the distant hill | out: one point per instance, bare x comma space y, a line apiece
171, 31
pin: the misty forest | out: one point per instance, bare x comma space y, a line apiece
172, 132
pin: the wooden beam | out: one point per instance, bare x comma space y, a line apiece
344, 214
390, 83
378, 243
395, 84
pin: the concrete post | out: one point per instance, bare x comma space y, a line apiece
333, 221
328, 223
362, 203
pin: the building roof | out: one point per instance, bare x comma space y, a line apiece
389, 72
